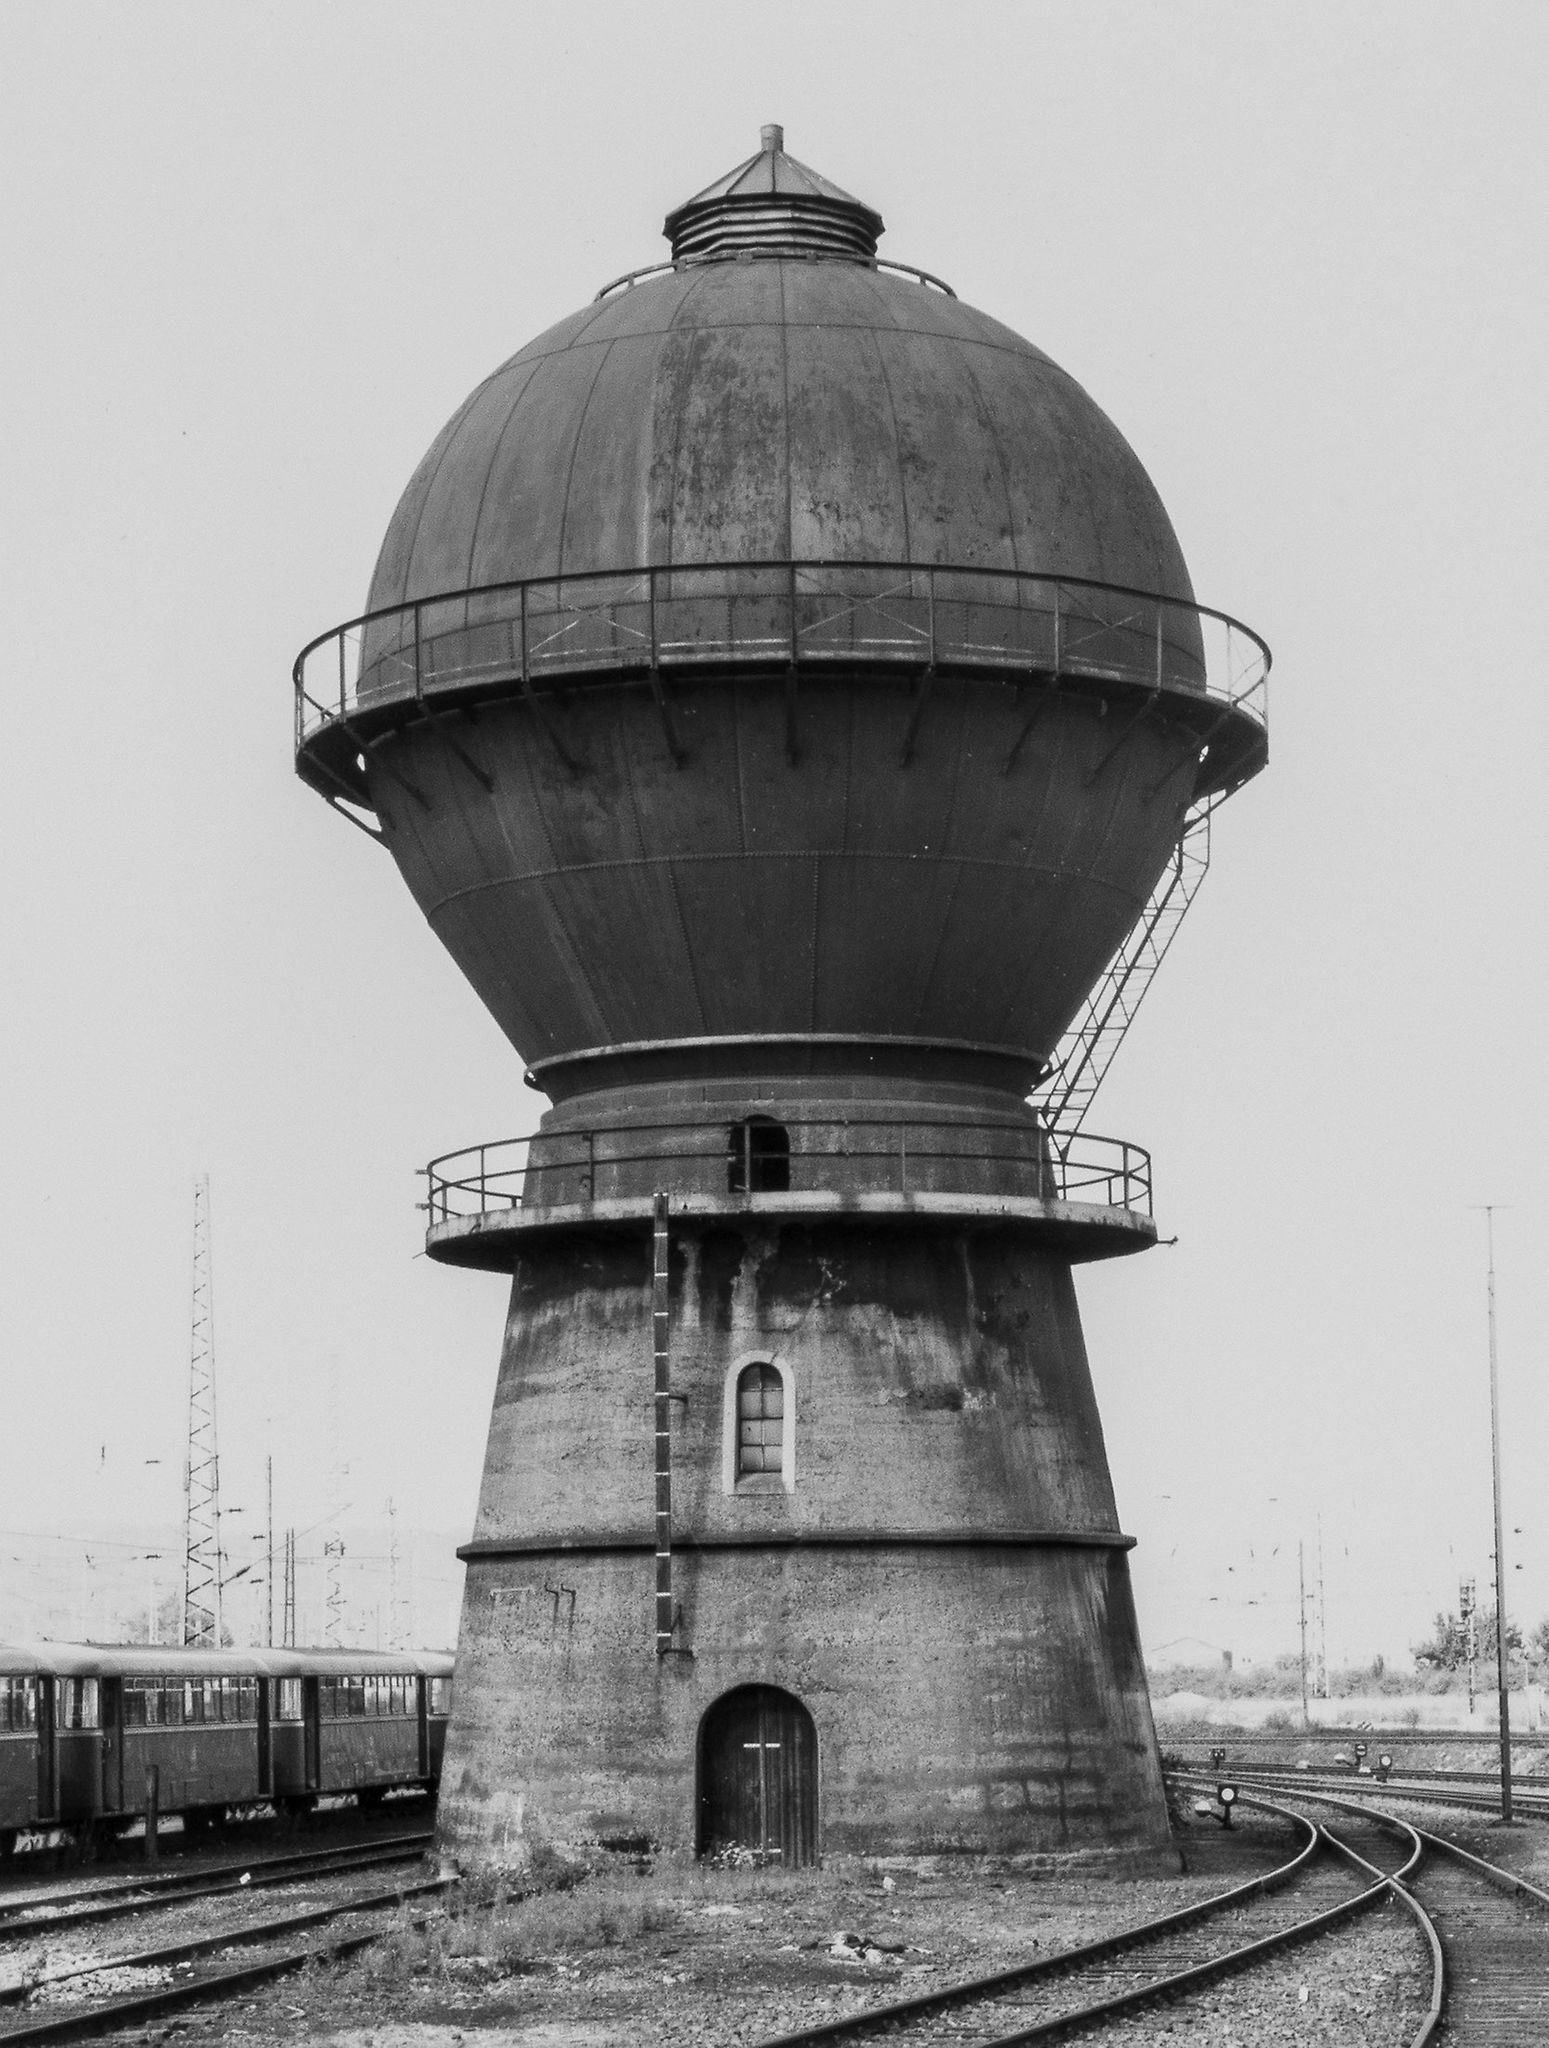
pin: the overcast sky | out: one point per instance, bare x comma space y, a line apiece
254, 257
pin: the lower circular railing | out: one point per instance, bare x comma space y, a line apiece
756, 1156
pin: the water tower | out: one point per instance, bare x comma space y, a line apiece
783, 693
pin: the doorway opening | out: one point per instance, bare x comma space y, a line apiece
758, 1779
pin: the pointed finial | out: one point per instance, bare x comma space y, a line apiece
771, 138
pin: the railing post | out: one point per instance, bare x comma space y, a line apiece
591, 1166
650, 607
930, 610
341, 672
1057, 650
419, 684
903, 1159
790, 598
1159, 643
521, 627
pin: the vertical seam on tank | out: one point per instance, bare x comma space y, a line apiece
575, 447
929, 976
785, 422
1056, 870
489, 468
887, 385
960, 349
452, 431
685, 376
672, 883
817, 884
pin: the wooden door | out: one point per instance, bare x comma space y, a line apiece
758, 1778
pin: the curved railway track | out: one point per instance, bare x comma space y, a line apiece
1493, 1989
1490, 1929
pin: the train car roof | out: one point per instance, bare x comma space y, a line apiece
168, 1660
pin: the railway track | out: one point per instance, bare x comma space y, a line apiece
1485, 1955
48, 1912
1489, 1928
200, 1963
1428, 1792
1099, 1983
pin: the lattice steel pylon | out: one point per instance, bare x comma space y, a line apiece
201, 1472
1087, 1049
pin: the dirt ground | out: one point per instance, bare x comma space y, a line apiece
694, 1956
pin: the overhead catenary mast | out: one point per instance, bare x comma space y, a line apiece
201, 1472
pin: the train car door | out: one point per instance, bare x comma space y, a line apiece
422, 1716
48, 1749
111, 1708
265, 1739
312, 1732
758, 1779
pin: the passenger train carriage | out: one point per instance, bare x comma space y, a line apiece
83, 1725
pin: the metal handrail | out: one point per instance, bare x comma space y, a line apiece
790, 613
492, 1178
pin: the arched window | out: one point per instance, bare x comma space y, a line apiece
758, 1157
760, 1420
759, 1443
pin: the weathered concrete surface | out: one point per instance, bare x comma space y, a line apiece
970, 1699
944, 1584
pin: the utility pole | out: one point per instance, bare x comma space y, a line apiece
1301, 1579
394, 1631
201, 1473
1500, 1543
269, 1572
1322, 1620
288, 1625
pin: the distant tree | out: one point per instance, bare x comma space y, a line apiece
1447, 1647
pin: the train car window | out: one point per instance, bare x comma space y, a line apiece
78, 1707
441, 1695
136, 1695
357, 1697
247, 1699
401, 1696
193, 1703
288, 1702
171, 1703
18, 1705
371, 1696
211, 1688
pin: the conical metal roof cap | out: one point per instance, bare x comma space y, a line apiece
772, 206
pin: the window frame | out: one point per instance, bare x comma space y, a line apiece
751, 1483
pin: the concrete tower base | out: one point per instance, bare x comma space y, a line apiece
934, 1575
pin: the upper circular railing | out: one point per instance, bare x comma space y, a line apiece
438, 650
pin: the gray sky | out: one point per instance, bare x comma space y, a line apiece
253, 259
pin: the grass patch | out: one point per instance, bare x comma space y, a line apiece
503, 1927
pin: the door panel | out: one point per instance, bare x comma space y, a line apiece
758, 1778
